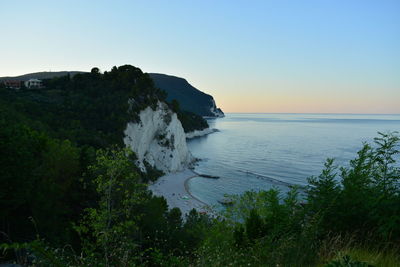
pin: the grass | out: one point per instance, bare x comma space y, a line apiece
338, 247
389, 258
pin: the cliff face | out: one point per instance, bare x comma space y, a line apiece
216, 112
159, 139
102, 105
189, 98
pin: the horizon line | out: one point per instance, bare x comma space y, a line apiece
320, 113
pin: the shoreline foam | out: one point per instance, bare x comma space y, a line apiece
197, 133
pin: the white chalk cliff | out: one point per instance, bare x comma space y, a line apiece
159, 139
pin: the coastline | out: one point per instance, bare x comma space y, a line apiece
174, 188
197, 133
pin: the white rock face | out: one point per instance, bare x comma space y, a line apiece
159, 139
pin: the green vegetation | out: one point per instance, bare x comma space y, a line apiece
70, 194
353, 210
92, 108
50, 138
126, 226
89, 109
190, 121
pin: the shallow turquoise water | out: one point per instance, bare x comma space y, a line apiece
260, 151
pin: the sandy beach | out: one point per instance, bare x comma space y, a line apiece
174, 188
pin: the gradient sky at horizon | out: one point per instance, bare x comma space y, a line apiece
252, 56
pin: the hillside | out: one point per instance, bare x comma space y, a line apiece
190, 98
55, 142
42, 75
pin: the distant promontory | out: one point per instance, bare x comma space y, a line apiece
190, 98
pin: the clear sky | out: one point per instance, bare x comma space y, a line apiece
326, 56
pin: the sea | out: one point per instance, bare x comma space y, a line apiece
264, 151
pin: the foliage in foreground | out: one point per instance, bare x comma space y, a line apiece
349, 216
358, 204
127, 227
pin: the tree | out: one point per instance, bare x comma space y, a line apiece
175, 105
322, 195
108, 231
55, 198
254, 226
95, 70
20, 152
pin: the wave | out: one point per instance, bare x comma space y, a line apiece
269, 178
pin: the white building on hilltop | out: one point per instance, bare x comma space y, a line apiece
33, 83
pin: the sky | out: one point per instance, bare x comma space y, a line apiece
323, 56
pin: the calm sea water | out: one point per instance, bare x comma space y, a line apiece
261, 151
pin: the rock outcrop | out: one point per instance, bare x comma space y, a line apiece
216, 112
158, 138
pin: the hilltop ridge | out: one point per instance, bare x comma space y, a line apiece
42, 75
190, 98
